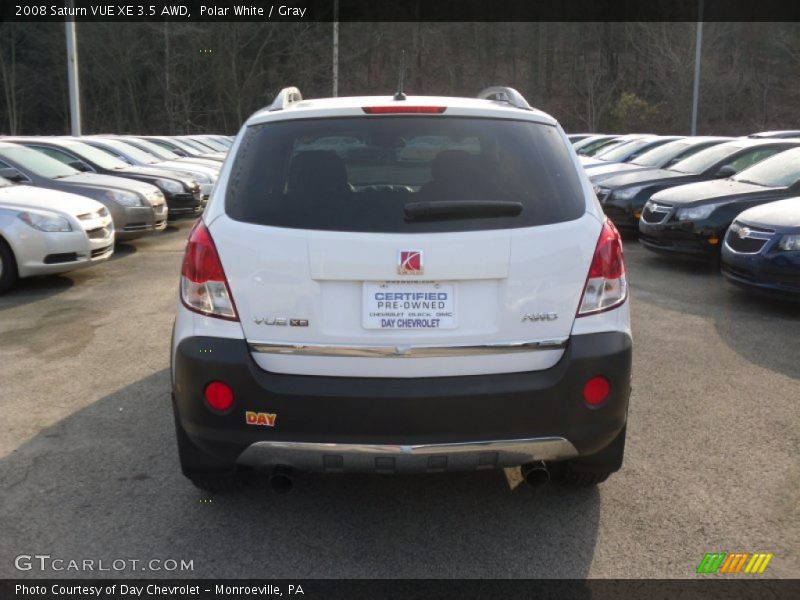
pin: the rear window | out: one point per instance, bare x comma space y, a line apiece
360, 174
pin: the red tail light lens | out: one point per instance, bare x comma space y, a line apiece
596, 390
204, 287
606, 286
401, 108
219, 395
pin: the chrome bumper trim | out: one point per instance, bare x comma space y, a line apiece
405, 351
390, 458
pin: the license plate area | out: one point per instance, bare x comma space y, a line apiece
403, 305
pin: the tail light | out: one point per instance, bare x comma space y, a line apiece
606, 287
204, 287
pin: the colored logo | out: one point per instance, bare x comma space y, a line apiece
737, 562
260, 418
410, 262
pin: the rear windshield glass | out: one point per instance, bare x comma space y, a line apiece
360, 174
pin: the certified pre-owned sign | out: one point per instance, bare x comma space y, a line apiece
406, 305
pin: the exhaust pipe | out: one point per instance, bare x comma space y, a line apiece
280, 480
535, 474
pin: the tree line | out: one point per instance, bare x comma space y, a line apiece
173, 78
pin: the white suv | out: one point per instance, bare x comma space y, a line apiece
358, 306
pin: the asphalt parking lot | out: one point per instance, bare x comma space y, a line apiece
89, 469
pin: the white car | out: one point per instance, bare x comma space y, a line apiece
346, 311
43, 232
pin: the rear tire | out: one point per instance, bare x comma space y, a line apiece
221, 484
590, 470
8, 267
566, 474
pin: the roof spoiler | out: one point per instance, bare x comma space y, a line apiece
505, 94
286, 97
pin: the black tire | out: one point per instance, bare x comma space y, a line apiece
590, 470
204, 471
8, 267
221, 484
566, 474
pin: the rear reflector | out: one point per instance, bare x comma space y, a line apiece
596, 390
401, 108
219, 395
606, 287
204, 288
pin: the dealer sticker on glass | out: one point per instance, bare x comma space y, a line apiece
409, 305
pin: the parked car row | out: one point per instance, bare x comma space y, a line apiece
65, 201
736, 200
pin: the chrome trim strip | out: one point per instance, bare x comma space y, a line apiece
403, 351
314, 456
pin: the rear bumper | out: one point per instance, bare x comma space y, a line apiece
395, 458
359, 424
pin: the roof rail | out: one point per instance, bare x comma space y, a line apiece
287, 96
505, 94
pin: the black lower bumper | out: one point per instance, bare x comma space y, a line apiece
182, 206
679, 239
625, 219
344, 410
777, 276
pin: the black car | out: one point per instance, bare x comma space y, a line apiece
182, 193
181, 147
623, 197
762, 249
660, 157
625, 152
692, 219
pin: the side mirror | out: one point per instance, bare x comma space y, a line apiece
12, 174
726, 171
80, 166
